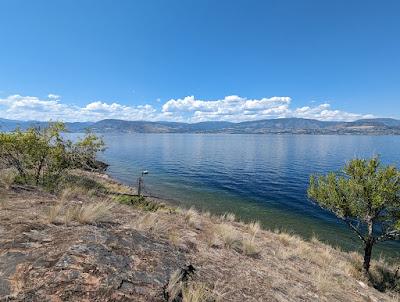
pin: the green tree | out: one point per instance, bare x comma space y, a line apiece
41, 155
366, 196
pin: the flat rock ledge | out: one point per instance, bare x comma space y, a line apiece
85, 263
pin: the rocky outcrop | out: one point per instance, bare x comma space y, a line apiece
104, 262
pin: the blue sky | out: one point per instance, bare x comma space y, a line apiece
199, 60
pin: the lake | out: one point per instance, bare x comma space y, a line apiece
257, 177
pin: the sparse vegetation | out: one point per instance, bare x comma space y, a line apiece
234, 261
86, 213
140, 202
241, 261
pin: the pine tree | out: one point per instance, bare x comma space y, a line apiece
366, 196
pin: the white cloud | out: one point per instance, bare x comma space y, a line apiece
230, 108
32, 108
189, 109
53, 96
237, 109
323, 112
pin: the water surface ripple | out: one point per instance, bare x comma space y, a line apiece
261, 177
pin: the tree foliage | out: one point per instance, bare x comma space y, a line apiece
42, 155
366, 196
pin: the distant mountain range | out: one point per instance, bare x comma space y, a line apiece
378, 126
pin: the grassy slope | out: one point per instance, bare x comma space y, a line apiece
66, 248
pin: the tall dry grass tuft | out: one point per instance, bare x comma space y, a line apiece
187, 291
153, 223
196, 292
7, 178
53, 213
354, 266
210, 237
175, 285
229, 236
87, 213
249, 247
254, 227
228, 217
94, 212
189, 214
192, 218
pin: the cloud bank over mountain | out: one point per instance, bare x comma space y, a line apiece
231, 108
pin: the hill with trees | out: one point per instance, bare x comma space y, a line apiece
380, 126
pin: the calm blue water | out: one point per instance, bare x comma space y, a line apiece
261, 177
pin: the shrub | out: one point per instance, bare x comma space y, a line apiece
140, 202
73, 180
41, 155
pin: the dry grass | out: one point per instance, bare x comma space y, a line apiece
249, 248
93, 212
7, 178
53, 212
228, 217
189, 291
3, 202
190, 214
229, 235
76, 193
254, 227
87, 213
196, 292
153, 223
210, 237
192, 218
174, 238
175, 285
322, 280
206, 214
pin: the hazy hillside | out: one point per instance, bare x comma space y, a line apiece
379, 126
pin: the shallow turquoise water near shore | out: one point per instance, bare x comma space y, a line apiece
258, 177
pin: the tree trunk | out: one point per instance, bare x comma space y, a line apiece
367, 255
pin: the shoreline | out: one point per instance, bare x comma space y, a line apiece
117, 251
388, 250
